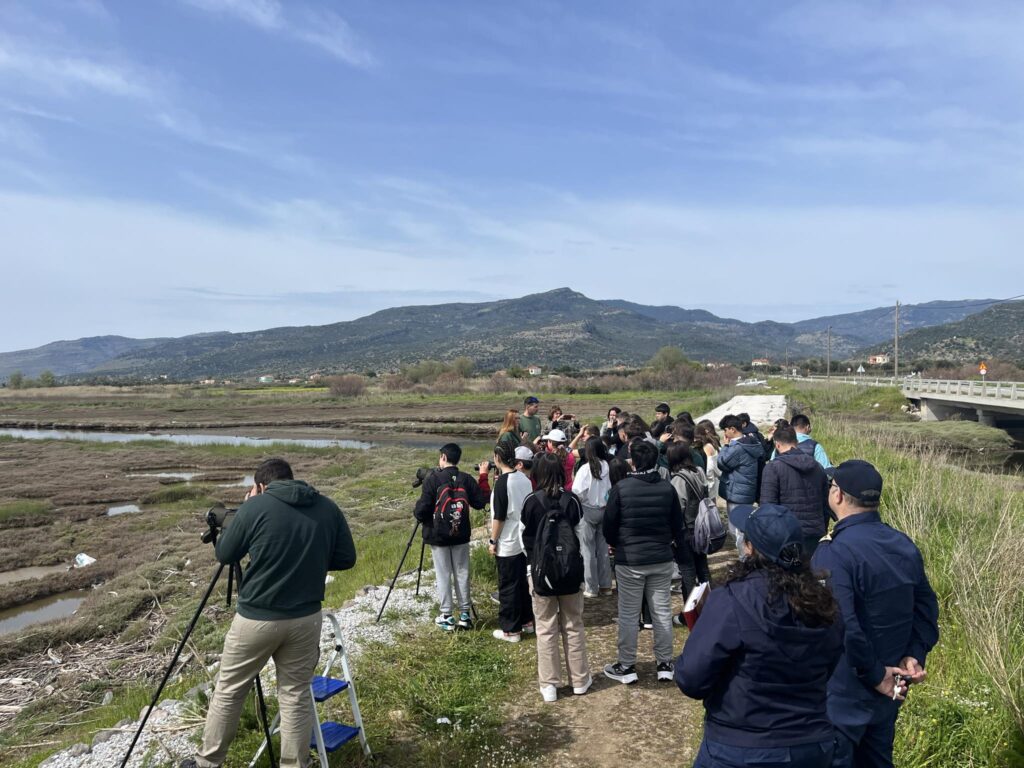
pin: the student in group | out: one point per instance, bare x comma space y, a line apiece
802, 425
705, 439
796, 481
508, 432
555, 443
610, 429
762, 651
642, 520
662, 418
739, 461
593, 484
515, 606
577, 443
690, 486
529, 421
558, 617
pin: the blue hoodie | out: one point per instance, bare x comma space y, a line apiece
739, 462
761, 673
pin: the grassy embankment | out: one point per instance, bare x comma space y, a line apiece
968, 525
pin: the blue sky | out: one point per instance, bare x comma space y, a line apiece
179, 166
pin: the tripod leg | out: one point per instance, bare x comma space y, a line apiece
398, 570
419, 569
262, 702
174, 661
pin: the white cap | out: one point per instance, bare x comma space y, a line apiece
556, 436
524, 454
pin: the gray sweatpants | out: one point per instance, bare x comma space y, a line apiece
636, 582
448, 562
597, 568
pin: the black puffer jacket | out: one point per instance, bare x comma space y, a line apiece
424, 511
642, 519
795, 480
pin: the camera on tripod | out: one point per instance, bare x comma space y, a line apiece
218, 517
421, 475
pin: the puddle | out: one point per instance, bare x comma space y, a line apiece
245, 482
179, 439
38, 611
183, 476
32, 572
122, 509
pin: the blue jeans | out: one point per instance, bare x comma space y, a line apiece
715, 755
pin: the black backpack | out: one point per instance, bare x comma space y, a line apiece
557, 566
451, 512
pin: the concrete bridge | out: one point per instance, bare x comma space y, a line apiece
993, 403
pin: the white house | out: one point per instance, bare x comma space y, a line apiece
534, 370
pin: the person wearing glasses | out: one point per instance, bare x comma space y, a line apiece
889, 610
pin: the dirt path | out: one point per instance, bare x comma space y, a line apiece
613, 725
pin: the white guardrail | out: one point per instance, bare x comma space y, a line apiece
997, 390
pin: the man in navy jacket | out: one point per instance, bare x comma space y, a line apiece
740, 460
890, 614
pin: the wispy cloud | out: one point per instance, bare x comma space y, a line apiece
319, 28
68, 73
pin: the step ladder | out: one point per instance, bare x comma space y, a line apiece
329, 736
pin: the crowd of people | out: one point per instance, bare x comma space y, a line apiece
805, 651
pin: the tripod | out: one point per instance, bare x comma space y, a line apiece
234, 576
419, 573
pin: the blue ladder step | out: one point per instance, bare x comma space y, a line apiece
335, 735
325, 687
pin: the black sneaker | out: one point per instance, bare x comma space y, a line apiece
188, 762
678, 620
666, 671
624, 675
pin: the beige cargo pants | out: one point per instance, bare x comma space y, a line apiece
294, 644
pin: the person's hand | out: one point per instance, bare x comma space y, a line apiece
524, 435
485, 467
891, 686
254, 491
493, 549
913, 669
665, 437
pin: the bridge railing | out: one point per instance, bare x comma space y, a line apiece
996, 390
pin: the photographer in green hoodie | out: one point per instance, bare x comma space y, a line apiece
293, 536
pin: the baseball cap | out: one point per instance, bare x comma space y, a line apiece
662, 408
857, 478
770, 528
530, 400
524, 454
556, 436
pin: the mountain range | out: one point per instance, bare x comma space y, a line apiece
552, 329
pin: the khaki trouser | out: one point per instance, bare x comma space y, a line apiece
554, 616
294, 645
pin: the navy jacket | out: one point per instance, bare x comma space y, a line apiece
739, 462
889, 610
642, 519
795, 480
761, 673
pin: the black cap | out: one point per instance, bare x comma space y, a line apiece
662, 408
857, 478
530, 400
770, 528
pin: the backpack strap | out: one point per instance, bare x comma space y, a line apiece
692, 485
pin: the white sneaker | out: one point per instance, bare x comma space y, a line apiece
590, 594
508, 637
579, 690
549, 693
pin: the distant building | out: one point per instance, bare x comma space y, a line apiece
715, 366
878, 360
266, 379
534, 370
760, 362
208, 381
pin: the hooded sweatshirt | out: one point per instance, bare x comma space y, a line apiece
293, 536
797, 481
762, 674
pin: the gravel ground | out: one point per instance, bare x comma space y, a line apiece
174, 727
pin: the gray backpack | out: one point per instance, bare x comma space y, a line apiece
708, 532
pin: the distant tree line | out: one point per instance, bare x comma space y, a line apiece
18, 380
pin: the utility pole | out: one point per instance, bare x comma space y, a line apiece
828, 356
896, 344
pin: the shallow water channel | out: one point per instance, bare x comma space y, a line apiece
46, 609
179, 438
32, 572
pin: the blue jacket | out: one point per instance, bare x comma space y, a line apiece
761, 673
889, 610
739, 463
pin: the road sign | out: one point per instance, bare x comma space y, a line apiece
983, 369
860, 369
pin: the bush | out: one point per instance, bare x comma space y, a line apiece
348, 385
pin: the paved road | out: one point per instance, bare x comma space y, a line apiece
763, 409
